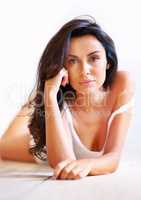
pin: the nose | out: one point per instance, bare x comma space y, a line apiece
85, 68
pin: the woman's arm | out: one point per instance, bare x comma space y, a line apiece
110, 160
118, 130
14, 143
107, 163
58, 139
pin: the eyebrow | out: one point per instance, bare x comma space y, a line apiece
94, 52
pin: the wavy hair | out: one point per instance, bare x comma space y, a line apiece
52, 61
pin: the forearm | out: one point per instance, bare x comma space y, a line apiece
105, 164
57, 142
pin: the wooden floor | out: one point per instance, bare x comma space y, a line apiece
20, 181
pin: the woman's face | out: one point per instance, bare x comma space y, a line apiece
86, 60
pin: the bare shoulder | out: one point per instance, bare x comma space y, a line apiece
123, 81
123, 87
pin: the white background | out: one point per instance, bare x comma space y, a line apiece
26, 27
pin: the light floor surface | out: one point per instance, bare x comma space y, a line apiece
20, 181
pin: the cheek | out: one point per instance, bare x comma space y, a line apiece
72, 76
73, 72
101, 75
73, 79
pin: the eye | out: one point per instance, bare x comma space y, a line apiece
72, 61
93, 58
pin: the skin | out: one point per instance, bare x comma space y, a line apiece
89, 100
82, 64
87, 60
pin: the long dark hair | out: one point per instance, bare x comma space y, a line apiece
52, 61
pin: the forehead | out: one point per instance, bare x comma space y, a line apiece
85, 43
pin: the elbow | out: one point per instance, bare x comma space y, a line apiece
108, 168
113, 163
114, 166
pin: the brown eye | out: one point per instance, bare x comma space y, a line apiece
94, 58
72, 61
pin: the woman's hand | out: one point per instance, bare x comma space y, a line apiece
73, 169
52, 85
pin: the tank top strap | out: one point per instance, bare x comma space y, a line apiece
122, 109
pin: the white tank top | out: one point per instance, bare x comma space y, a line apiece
80, 150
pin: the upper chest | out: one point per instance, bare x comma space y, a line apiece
91, 127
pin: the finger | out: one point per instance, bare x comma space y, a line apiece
64, 77
78, 173
65, 172
84, 172
64, 81
63, 71
75, 173
60, 166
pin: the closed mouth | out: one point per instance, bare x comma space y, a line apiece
86, 81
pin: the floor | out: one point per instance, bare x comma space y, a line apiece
26, 181
20, 181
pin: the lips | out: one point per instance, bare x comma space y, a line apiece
86, 81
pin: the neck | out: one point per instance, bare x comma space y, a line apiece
90, 101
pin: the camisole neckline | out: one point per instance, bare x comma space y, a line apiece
121, 109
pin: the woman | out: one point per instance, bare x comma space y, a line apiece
79, 114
